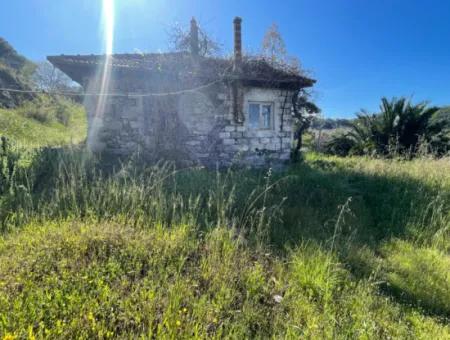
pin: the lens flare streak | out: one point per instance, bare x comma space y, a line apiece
108, 21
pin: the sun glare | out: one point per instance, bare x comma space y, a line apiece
104, 72
108, 22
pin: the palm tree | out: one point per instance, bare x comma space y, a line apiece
399, 124
414, 124
362, 133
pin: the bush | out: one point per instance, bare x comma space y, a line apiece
399, 129
438, 130
340, 145
48, 109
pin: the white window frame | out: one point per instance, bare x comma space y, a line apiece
272, 115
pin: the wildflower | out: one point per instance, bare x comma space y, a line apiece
9, 336
185, 310
30, 333
178, 323
91, 317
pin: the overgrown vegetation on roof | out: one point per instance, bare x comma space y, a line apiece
182, 66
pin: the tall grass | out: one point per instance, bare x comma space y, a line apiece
52, 183
330, 248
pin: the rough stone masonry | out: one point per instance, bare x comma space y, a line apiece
186, 107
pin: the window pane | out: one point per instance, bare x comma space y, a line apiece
253, 113
266, 116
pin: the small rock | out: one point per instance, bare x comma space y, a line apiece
278, 298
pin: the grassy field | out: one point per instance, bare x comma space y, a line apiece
329, 248
37, 125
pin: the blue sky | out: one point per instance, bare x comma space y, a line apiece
358, 50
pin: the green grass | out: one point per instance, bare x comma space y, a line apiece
330, 248
34, 126
89, 280
409, 268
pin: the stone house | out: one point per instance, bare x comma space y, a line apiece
188, 107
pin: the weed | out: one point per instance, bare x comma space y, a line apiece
155, 251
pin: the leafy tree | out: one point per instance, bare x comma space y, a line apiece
304, 112
330, 123
438, 131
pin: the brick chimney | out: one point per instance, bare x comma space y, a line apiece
237, 94
194, 37
237, 44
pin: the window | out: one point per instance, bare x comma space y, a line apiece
260, 116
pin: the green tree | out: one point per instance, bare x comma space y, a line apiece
398, 127
438, 131
304, 113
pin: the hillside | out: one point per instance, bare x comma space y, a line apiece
15, 124
15, 73
32, 119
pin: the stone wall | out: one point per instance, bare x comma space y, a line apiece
260, 147
192, 127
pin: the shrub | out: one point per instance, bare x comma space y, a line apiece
438, 130
395, 130
48, 109
341, 145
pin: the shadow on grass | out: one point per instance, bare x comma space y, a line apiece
382, 210
318, 201
305, 200
380, 207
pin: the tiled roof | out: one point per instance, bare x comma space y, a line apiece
254, 71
